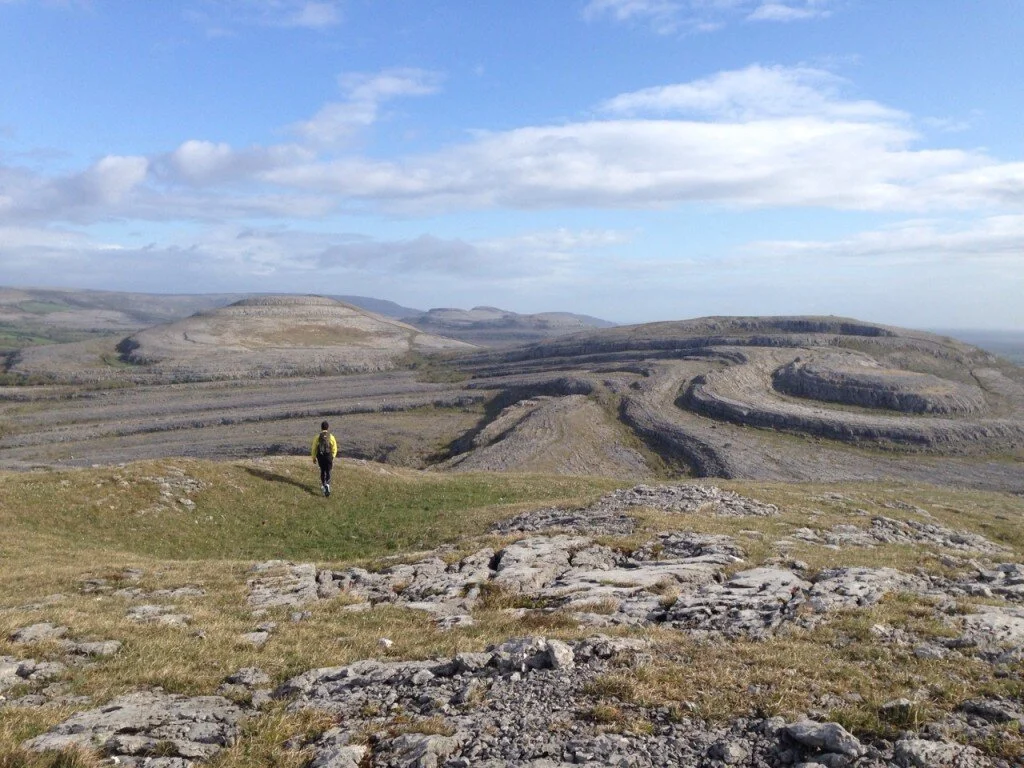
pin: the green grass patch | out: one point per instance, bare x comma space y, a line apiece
42, 307
186, 509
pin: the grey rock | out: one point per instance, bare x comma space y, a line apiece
350, 756
728, 752
38, 633
919, 753
609, 515
248, 677
195, 728
753, 603
419, 750
97, 649
40, 671
560, 655
280, 583
255, 639
158, 614
828, 737
861, 587
9, 676
994, 710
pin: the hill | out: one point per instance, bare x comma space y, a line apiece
784, 398
30, 316
492, 327
275, 336
178, 612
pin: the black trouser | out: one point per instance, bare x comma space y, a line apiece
326, 464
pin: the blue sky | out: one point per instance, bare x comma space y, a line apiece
636, 160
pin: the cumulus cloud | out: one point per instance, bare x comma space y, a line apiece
95, 192
205, 162
366, 93
760, 136
788, 161
108, 181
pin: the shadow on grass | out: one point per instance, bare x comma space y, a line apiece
274, 477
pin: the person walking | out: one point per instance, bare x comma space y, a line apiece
324, 450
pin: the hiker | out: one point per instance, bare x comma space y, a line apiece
325, 448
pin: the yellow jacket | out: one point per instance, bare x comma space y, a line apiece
316, 442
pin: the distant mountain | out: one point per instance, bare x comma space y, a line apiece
102, 310
34, 316
493, 327
380, 306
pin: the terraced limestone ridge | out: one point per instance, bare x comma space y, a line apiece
772, 398
691, 390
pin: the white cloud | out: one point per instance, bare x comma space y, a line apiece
926, 241
218, 17
663, 15
671, 16
753, 93
108, 181
792, 161
106, 185
14, 239
205, 162
313, 15
338, 121
790, 11
232, 257
761, 136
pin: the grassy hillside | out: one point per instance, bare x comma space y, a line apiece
167, 524
194, 510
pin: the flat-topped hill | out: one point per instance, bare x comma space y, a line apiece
256, 336
782, 331
493, 327
275, 335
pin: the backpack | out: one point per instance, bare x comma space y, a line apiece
323, 448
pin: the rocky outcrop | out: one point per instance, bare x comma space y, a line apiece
860, 380
609, 514
150, 728
743, 394
530, 702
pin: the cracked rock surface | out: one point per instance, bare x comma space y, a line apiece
527, 702
609, 514
150, 728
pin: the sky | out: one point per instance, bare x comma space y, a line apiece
635, 160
